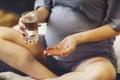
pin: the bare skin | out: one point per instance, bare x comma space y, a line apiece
99, 67
16, 53
82, 72
103, 70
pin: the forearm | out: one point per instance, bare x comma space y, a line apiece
98, 34
43, 14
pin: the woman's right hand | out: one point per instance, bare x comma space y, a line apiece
22, 30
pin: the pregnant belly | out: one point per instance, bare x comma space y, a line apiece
66, 19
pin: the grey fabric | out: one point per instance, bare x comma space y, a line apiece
45, 3
73, 16
95, 10
115, 24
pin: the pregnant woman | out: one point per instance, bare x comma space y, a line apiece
77, 44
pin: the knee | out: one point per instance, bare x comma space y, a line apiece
8, 34
4, 32
103, 73
99, 70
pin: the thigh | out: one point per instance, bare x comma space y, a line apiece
12, 35
97, 68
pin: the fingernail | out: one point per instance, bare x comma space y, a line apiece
48, 54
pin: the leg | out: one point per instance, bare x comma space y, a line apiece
13, 76
19, 55
93, 69
4, 67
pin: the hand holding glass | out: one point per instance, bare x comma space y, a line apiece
30, 20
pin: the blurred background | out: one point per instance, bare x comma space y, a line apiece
10, 11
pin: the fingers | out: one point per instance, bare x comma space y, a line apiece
54, 51
58, 51
21, 26
22, 30
39, 24
51, 51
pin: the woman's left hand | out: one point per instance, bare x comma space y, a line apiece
64, 48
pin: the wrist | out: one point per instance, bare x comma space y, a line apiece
79, 38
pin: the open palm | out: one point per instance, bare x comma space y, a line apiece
64, 48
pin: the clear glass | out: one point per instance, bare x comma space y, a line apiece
30, 20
